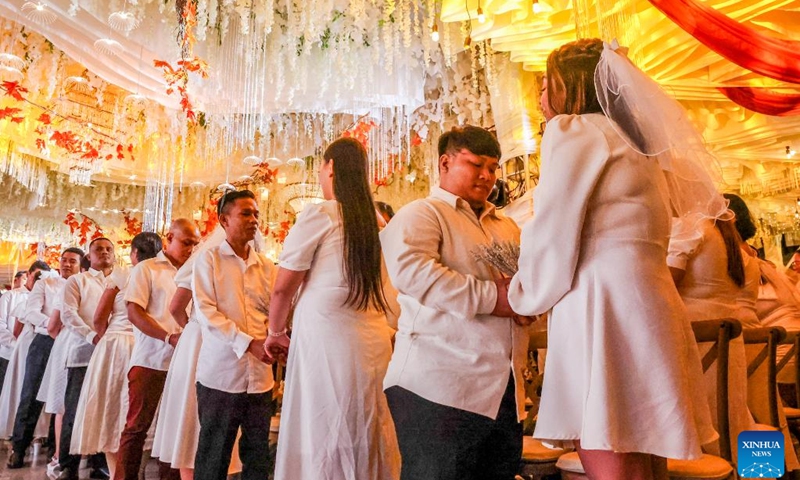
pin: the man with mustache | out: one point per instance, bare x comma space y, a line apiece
232, 287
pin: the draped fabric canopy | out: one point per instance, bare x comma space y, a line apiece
693, 72
764, 101
745, 46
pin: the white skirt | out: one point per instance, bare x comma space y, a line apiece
103, 404
178, 428
335, 422
54, 383
12, 388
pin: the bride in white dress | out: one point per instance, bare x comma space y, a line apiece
622, 362
335, 421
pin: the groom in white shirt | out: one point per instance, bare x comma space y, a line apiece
82, 293
454, 383
232, 285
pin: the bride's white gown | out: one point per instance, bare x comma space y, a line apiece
335, 422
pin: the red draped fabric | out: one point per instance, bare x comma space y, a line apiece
772, 57
764, 101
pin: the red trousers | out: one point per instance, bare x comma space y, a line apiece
145, 387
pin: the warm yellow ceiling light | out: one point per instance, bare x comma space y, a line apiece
435, 33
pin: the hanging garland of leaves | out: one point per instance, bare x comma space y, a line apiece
102, 146
177, 77
87, 229
51, 256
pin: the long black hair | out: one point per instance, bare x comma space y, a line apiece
733, 250
744, 221
362, 246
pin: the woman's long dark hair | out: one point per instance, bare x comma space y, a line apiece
362, 246
733, 249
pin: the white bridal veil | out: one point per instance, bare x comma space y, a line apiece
656, 125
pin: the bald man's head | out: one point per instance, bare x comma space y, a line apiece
182, 237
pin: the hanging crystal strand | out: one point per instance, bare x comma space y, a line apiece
446, 45
262, 71
250, 78
474, 66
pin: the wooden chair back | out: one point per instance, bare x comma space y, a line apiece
720, 332
793, 339
767, 338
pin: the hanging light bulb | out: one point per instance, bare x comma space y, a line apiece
435, 33
537, 7
108, 46
789, 152
123, 21
135, 98
77, 82
39, 12
481, 16
12, 61
468, 42
296, 162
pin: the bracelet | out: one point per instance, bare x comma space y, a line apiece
277, 334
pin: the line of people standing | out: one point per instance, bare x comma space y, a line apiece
447, 402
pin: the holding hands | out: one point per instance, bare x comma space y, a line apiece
503, 309
276, 348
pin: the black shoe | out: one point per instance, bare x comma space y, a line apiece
67, 474
15, 460
100, 474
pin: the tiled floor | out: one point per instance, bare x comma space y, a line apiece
36, 467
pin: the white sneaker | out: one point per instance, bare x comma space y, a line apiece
53, 470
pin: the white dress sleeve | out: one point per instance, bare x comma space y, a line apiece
574, 155
301, 243
183, 279
118, 279
683, 244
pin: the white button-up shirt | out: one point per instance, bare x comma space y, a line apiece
449, 349
151, 286
9, 302
42, 301
231, 298
81, 296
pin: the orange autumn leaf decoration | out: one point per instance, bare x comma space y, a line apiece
177, 78
133, 227
14, 90
11, 114
83, 228
87, 147
51, 256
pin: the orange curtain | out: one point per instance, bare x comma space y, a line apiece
772, 57
762, 100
